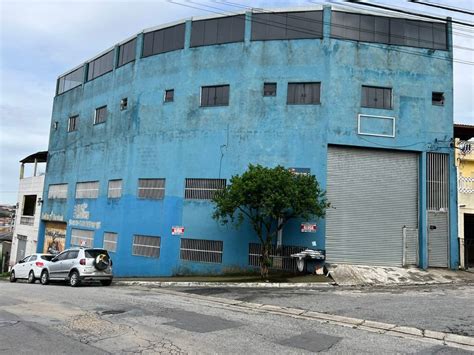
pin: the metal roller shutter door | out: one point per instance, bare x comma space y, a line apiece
373, 195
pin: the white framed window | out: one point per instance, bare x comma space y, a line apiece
153, 189
110, 241
57, 191
89, 189
144, 245
72, 123
372, 125
115, 189
82, 238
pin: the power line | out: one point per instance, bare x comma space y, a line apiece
409, 12
439, 6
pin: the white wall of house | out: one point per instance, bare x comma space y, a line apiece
27, 225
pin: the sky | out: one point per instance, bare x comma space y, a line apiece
39, 40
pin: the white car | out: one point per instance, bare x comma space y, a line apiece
30, 267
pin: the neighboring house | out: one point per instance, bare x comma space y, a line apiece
5, 250
464, 144
30, 192
144, 134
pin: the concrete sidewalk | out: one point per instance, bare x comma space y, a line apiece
358, 275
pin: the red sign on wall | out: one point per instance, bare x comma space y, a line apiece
309, 227
177, 230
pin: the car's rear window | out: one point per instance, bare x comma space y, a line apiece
47, 257
92, 253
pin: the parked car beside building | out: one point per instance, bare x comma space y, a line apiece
78, 265
30, 267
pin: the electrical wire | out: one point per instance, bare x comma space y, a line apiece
440, 6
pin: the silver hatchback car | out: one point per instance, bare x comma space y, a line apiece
78, 265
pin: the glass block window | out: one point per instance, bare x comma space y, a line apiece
57, 191
202, 189
82, 238
304, 93
200, 250
110, 241
215, 95
148, 246
101, 65
115, 189
100, 115
127, 52
153, 189
376, 97
89, 189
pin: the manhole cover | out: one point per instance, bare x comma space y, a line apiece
113, 311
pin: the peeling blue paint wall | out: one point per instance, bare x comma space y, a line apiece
180, 139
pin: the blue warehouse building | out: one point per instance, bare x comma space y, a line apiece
146, 132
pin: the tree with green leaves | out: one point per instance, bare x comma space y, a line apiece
268, 198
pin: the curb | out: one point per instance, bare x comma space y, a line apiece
165, 284
442, 338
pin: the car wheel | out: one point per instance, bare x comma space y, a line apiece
31, 277
74, 279
44, 278
106, 282
12, 277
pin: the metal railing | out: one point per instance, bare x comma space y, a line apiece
466, 185
280, 257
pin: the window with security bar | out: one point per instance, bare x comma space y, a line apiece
202, 189
110, 241
115, 189
89, 189
148, 246
437, 166
153, 189
82, 238
57, 191
200, 250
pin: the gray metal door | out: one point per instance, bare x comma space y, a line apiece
374, 195
438, 239
20, 250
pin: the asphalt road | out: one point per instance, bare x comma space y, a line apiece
58, 319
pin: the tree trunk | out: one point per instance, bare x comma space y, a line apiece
265, 261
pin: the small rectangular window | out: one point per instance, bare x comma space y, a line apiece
215, 95
303, 93
148, 246
89, 189
123, 104
115, 189
201, 250
269, 89
100, 115
169, 95
202, 189
82, 238
57, 191
72, 123
437, 98
110, 241
153, 189
127, 52
376, 97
